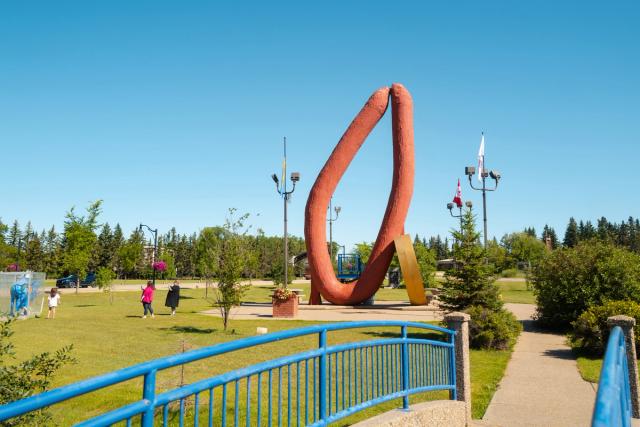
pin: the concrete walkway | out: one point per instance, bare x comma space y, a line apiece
542, 385
381, 310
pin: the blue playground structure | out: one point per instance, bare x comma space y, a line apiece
350, 267
21, 293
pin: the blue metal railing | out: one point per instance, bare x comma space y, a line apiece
321, 385
613, 401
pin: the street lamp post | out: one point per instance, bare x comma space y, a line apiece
337, 210
155, 248
19, 248
286, 195
468, 203
484, 174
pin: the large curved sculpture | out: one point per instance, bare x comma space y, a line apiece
323, 279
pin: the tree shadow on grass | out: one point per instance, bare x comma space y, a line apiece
85, 305
189, 330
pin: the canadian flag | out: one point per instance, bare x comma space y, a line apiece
481, 158
457, 199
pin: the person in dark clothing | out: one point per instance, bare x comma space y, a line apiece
173, 297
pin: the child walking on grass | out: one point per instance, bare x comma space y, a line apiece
147, 299
54, 301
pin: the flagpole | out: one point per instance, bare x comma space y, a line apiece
482, 175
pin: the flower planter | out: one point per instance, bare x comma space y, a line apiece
285, 308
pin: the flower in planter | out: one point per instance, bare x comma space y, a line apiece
12, 267
283, 294
159, 266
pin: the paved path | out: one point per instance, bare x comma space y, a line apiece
382, 310
542, 385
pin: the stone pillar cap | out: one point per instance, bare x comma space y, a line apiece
621, 320
457, 316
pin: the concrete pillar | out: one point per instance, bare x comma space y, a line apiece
459, 322
627, 324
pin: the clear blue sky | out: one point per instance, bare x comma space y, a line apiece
173, 112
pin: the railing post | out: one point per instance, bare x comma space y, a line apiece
405, 369
459, 322
627, 324
322, 343
149, 393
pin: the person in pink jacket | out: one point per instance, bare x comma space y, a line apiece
147, 299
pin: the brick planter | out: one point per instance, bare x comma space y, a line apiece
286, 308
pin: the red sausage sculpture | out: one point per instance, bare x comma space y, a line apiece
323, 279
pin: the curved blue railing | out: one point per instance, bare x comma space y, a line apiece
613, 401
321, 385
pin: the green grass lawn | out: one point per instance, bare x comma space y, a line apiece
108, 337
589, 368
516, 292
512, 292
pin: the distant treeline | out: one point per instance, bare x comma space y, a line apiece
194, 255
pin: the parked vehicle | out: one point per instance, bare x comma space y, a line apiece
70, 281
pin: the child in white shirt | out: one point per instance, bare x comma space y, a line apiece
54, 301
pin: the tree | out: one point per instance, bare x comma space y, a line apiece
571, 234
522, 247
230, 289
471, 282
34, 254
130, 255
497, 256
208, 253
14, 234
80, 240
364, 251
104, 281
549, 232
52, 252
426, 263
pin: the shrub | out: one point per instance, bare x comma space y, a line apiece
570, 280
28, 377
492, 330
590, 331
510, 272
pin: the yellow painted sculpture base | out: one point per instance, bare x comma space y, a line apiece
410, 271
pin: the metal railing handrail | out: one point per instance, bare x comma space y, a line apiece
613, 401
149, 369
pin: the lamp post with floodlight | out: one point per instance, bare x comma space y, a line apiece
337, 210
281, 187
484, 174
468, 203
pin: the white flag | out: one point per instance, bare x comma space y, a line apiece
481, 158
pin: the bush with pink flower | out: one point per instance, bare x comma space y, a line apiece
159, 266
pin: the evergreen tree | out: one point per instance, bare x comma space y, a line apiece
571, 234
52, 252
105, 251
551, 234
14, 234
531, 231
471, 282
604, 230
34, 254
